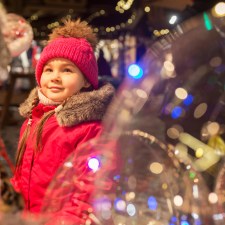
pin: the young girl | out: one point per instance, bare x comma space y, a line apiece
62, 113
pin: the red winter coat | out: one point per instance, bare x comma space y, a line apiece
63, 134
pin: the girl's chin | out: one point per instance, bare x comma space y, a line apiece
55, 98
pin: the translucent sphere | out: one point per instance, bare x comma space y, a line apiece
18, 34
4, 51
164, 132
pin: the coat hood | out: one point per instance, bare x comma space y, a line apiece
81, 107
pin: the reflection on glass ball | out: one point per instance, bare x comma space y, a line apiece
152, 186
17, 33
136, 180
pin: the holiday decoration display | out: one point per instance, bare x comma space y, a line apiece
17, 33
4, 51
164, 133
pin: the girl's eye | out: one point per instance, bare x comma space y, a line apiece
47, 70
67, 70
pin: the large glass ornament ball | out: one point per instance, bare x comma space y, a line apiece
135, 180
163, 138
4, 51
18, 34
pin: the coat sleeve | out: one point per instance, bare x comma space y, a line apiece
75, 208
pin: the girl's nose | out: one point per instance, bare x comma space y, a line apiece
55, 76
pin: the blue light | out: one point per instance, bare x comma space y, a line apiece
135, 71
220, 69
173, 219
176, 113
152, 203
116, 177
187, 101
198, 222
184, 222
184, 217
119, 204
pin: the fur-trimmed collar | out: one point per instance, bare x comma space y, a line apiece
84, 106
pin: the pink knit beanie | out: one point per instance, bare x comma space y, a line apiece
77, 50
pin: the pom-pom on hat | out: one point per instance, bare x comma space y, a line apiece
74, 41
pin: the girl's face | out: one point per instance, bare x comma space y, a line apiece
61, 79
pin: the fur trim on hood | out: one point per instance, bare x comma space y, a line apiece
81, 107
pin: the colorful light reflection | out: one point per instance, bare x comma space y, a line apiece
176, 113
135, 71
184, 222
187, 101
152, 203
93, 164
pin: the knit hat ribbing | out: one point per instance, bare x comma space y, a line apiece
77, 50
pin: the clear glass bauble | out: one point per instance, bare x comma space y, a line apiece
18, 34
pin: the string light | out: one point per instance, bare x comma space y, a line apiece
95, 15
162, 32
118, 27
147, 9
122, 5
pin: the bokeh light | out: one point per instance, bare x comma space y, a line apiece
135, 71
93, 164
188, 100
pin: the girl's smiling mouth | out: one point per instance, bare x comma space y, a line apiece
55, 88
